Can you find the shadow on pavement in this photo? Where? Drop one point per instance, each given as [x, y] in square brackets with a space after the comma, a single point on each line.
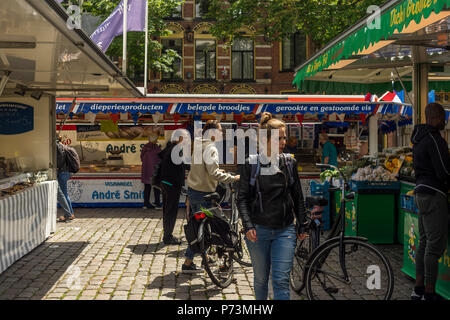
[32, 276]
[154, 249]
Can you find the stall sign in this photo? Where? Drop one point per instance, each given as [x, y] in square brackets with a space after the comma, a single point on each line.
[16, 118]
[114, 107]
[215, 107]
[63, 107]
[105, 190]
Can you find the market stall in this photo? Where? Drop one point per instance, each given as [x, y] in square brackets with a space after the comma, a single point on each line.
[97, 127]
[407, 50]
[41, 58]
[27, 191]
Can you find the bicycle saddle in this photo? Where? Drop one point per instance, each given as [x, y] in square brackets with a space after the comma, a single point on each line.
[212, 197]
[316, 201]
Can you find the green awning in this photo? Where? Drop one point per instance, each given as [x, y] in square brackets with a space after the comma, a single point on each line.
[391, 20]
[351, 88]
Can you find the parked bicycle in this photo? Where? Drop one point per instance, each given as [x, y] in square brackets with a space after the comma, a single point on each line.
[219, 238]
[241, 255]
[343, 267]
[306, 246]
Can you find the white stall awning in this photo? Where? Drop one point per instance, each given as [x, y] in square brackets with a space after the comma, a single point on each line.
[40, 52]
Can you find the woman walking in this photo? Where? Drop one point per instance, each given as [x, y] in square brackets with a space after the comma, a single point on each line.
[269, 199]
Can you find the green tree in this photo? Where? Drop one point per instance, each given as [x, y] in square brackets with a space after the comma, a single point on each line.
[322, 20]
[157, 27]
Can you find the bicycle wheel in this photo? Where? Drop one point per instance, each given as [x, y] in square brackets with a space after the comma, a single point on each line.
[242, 256]
[370, 275]
[302, 252]
[218, 262]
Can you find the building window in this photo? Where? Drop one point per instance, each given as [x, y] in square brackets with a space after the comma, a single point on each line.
[242, 59]
[177, 12]
[177, 66]
[293, 51]
[201, 8]
[205, 59]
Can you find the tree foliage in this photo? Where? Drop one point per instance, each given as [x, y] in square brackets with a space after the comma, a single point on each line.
[322, 20]
[157, 27]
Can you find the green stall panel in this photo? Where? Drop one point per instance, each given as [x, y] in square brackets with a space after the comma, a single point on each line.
[371, 216]
[443, 282]
[351, 219]
[410, 243]
[401, 226]
[405, 187]
[376, 217]
[410, 246]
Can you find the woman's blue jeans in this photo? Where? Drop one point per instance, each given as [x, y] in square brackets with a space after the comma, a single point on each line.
[63, 177]
[274, 249]
[196, 201]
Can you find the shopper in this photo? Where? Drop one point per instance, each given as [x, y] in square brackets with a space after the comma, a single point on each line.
[267, 208]
[431, 161]
[63, 175]
[291, 146]
[150, 159]
[172, 180]
[203, 179]
[329, 152]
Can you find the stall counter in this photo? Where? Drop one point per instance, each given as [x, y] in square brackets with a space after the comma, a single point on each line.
[27, 219]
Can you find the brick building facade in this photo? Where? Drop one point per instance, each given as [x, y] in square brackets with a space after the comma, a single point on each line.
[208, 66]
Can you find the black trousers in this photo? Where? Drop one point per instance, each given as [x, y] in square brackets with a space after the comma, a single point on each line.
[147, 191]
[433, 231]
[171, 199]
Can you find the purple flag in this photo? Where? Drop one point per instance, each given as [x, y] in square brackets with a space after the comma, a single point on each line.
[113, 25]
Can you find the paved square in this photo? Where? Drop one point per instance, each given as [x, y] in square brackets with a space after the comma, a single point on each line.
[118, 254]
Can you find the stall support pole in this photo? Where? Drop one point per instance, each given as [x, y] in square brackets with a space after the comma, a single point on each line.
[373, 134]
[125, 29]
[52, 164]
[420, 83]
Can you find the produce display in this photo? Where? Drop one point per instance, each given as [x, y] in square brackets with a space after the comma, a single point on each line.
[373, 174]
[328, 174]
[407, 170]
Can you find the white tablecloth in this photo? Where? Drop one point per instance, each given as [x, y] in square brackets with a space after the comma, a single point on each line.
[26, 220]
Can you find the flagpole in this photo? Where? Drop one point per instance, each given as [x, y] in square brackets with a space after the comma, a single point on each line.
[146, 50]
[125, 24]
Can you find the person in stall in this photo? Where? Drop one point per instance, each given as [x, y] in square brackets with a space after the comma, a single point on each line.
[291, 145]
[329, 151]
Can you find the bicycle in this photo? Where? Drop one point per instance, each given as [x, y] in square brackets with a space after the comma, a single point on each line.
[304, 247]
[217, 254]
[345, 267]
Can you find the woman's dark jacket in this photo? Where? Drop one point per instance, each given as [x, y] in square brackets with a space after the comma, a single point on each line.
[280, 202]
[171, 172]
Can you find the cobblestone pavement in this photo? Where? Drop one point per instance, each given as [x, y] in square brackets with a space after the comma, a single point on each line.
[118, 254]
